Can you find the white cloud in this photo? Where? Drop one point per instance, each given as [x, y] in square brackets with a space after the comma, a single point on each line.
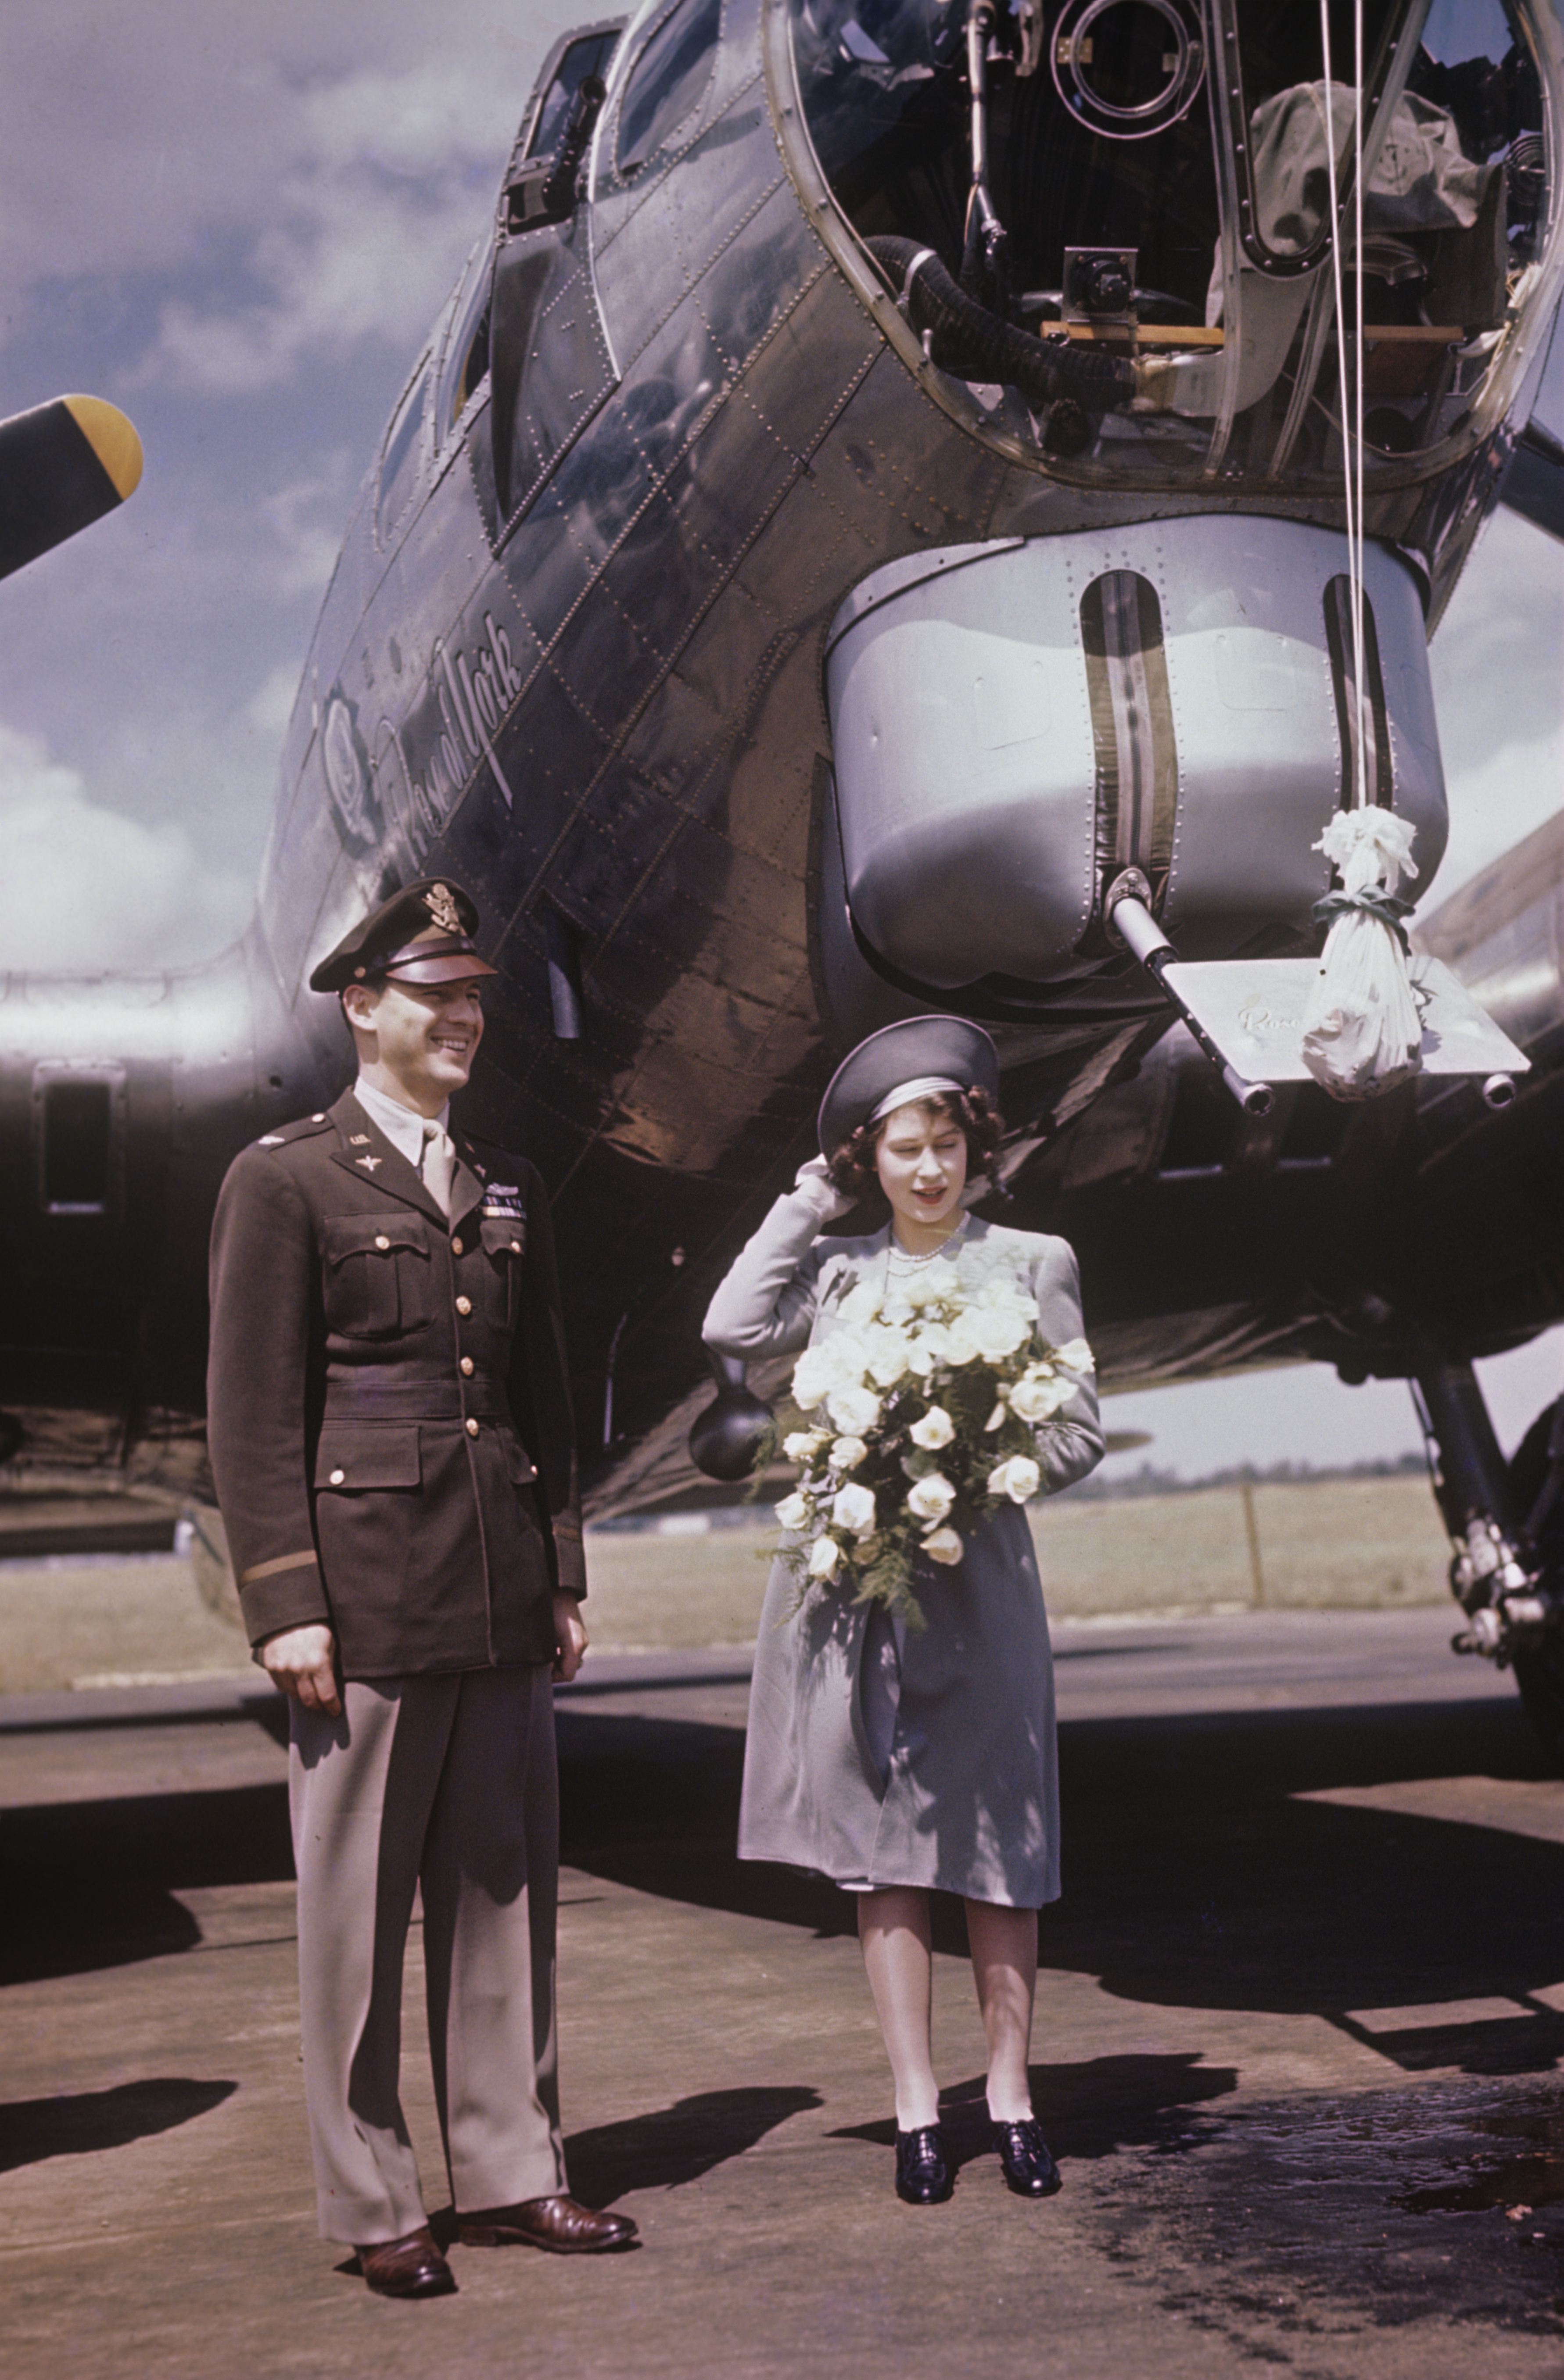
[274, 198]
[86, 888]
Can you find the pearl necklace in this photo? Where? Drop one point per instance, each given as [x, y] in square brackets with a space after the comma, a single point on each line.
[896, 1254]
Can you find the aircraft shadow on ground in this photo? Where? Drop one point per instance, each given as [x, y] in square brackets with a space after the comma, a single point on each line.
[1194, 1877]
[76, 2123]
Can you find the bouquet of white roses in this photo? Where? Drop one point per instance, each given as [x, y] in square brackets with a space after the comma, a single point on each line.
[927, 1399]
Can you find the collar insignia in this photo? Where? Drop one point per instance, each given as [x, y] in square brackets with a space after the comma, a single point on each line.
[369, 1164]
[358, 1140]
[441, 904]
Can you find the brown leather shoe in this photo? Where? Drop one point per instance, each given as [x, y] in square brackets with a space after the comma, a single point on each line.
[412, 2267]
[569, 2229]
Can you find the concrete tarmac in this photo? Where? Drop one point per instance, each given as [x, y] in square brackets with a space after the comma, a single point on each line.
[1299, 2026]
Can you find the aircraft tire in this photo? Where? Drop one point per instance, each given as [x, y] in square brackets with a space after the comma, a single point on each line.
[1539, 1673]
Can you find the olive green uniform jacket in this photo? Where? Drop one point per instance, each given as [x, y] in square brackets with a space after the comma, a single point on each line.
[389, 1406]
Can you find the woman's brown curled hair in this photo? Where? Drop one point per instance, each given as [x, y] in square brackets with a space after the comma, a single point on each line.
[851, 1167]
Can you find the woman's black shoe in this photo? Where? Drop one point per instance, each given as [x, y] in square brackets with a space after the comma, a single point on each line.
[922, 2177]
[1029, 2166]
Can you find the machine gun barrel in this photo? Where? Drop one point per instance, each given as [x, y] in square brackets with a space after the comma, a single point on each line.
[559, 190]
[1129, 916]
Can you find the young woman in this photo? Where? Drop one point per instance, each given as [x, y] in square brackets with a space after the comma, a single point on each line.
[900, 1761]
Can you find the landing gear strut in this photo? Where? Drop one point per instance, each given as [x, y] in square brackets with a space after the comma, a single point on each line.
[1505, 1524]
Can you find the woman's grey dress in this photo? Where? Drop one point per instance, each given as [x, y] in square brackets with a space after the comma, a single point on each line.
[878, 1755]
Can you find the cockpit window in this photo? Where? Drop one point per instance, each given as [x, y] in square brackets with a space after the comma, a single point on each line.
[667, 81]
[1111, 222]
[404, 452]
[590, 55]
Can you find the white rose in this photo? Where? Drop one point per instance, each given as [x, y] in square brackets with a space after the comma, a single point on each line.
[848, 1453]
[813, 1375]
[962, 1340]
[824, 1557]
[793, 1511]
[1034, 1397]
[942, 1545]
[860, 1304]
[1075, 1355]
[800, 1444]
[998, 1330]
[928, 1349]
[1017, 1478]
[853, 1410]
[887, 1356]
[932, 1497]
[935, 1429]
[935, 1285]
[854, 1509]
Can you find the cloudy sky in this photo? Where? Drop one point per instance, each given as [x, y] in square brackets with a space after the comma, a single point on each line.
[235, 221]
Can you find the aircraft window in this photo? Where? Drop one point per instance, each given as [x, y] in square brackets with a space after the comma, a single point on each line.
[1127, 68]
[589, 55]
[1139, 302]
[466, 356]
[77, 1128]
[668, 79]
[404, 447]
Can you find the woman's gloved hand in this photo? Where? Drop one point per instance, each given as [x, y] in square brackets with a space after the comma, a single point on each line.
[815, 1182]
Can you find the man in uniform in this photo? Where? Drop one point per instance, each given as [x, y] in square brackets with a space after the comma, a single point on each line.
[391, 1438]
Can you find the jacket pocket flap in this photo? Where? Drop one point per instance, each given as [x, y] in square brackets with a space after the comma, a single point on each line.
[503, 1236]
[519, 1464]
[384, 1455]
[374, 1235]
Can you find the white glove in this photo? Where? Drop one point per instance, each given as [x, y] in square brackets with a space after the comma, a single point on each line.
[813, 1180]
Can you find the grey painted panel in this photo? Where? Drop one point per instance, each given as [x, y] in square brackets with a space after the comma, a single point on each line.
[966, 765]
[965, 769]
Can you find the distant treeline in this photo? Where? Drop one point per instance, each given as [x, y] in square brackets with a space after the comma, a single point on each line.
[1149, 1480]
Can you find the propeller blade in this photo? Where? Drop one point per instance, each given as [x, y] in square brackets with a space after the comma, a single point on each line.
[62, 465]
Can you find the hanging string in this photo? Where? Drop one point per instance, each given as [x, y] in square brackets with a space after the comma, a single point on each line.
[1362, 1028]
[1352, 407]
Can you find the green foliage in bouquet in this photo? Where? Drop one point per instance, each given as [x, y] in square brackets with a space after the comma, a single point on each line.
[926, 1405]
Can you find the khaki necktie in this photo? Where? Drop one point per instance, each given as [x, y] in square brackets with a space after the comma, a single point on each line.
[438, 1164]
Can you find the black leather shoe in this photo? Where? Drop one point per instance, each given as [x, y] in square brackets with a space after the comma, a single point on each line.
[1029, 2166]
[562, 2224]
[412, 2267]
[922, 2177]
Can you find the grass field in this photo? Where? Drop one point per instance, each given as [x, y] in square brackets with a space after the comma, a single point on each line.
[1343, 1542]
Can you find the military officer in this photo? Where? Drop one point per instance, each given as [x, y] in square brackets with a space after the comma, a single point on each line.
[391, 1439]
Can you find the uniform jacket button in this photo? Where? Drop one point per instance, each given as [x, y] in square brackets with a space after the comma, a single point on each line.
[464, 1305]
[467, 1368]
[337, 1477]
[381, 1241]
[514, 1247]
[456, 1247]
[471, 1429]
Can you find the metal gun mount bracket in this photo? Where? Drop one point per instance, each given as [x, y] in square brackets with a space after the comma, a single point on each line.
[1247, 1015]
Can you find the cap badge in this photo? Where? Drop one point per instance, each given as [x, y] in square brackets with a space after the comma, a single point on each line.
[442, 908]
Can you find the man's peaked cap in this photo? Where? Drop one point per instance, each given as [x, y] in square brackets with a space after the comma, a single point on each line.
[422, 934]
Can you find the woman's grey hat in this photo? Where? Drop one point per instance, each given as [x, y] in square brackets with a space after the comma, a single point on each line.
[947, 1049]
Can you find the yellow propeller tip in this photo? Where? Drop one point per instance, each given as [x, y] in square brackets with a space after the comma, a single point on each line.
[113, 440]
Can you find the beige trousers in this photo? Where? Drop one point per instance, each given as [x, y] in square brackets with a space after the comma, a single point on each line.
[449, 1782]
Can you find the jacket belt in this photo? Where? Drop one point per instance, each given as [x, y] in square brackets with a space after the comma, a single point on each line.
[369, 1395]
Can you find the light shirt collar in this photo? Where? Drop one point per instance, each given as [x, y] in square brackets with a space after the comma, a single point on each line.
[403, 1127]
